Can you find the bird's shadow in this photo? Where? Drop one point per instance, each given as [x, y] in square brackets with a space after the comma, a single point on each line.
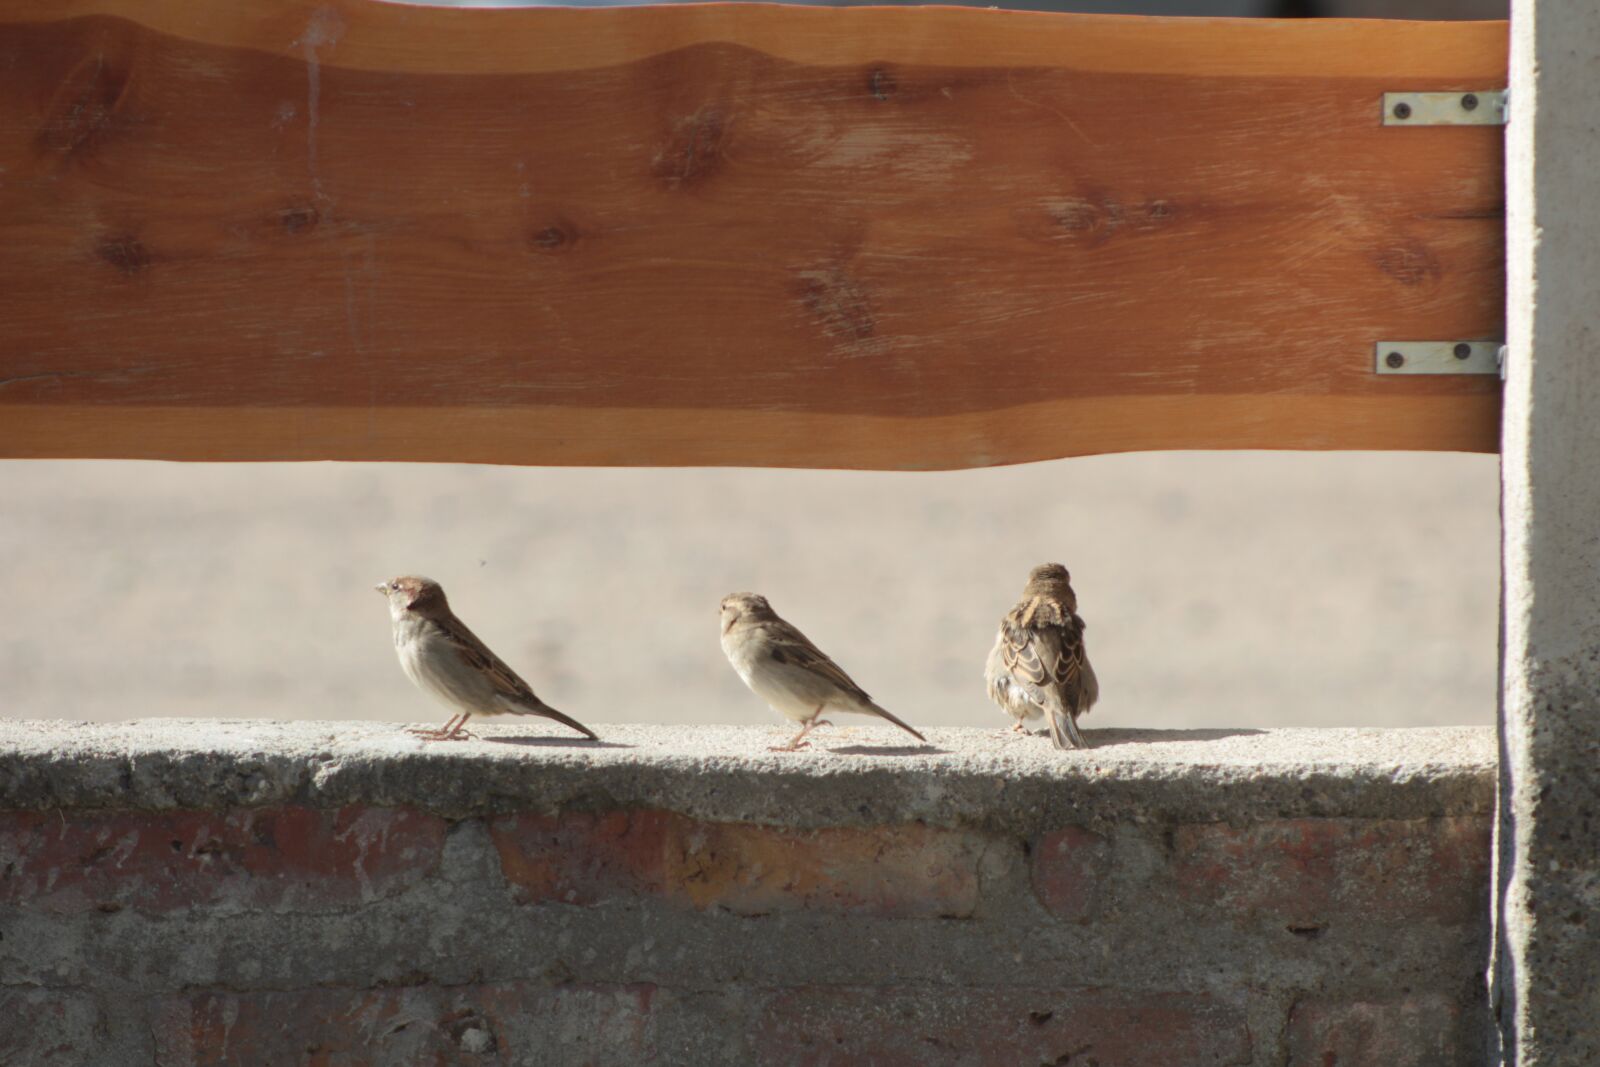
[1112, 738]
[888, 750]
[555, 742]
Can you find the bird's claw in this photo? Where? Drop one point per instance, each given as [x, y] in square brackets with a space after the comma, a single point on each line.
[442, 735]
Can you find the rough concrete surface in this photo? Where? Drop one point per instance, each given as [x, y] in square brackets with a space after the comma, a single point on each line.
[854, 775]
[1548, 846]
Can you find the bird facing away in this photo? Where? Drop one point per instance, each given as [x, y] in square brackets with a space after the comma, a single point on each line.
[1038, 664]
[786, 670]
[446, 660]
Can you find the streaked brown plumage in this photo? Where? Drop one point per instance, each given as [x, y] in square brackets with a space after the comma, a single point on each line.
[447, 661]
[783, 667]
[1038, 664]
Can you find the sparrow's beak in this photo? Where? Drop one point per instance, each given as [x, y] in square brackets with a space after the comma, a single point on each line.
[382, 587]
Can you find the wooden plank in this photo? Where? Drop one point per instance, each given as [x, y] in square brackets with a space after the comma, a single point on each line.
[730, 234]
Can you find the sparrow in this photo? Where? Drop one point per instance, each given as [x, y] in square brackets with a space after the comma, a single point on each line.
[1038, 663]
[786, 670]
[446, 660]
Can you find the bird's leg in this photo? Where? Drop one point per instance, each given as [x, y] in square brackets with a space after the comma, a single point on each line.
[799, 741]
[460, 733]
[433, 733]
[795, 742]
[450, 731]
[1019, 728]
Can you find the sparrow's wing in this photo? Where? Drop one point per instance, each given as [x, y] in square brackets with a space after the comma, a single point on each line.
[1048, 658]
[508, 684]
[476, 654]
[791, 647]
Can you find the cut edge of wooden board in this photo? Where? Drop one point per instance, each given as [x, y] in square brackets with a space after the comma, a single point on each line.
[615, 437]
[382, 35]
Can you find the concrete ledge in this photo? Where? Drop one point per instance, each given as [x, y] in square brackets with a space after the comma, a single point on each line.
[857, 776]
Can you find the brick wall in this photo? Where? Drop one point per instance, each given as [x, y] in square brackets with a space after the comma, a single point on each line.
[573, 921]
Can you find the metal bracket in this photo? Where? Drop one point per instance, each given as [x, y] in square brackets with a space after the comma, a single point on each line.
[1482, 107]
[1438, 357]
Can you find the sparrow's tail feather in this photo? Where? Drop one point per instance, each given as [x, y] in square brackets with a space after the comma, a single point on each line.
[565, 720]
[1064, 729]
[879, 711]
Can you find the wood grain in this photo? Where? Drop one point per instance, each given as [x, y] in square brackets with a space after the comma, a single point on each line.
[730, 234]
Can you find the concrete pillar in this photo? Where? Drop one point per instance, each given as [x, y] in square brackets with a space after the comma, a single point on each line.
[1546, 973]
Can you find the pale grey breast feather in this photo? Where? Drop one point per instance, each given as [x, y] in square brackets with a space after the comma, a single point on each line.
[740, 649]
[425, 656]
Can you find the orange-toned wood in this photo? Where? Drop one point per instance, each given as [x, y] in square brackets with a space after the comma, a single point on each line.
[730, 234]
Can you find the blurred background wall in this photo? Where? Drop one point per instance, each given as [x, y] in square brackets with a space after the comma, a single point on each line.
[1220, 588]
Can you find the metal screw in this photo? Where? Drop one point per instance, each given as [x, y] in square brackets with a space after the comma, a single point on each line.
[1402, 111]
[1469, 102]
[1395, 360]
[1462, 350]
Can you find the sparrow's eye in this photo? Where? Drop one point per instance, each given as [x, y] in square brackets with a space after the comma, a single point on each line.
[395, 586]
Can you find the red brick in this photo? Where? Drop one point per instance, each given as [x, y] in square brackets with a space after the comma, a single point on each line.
[835, 1027]
[896, 871]
[583, 858]
[419, 1025]
[905, 870]
[297, 858]
[1068, 866]
[1309, 871]
[1416, 1031]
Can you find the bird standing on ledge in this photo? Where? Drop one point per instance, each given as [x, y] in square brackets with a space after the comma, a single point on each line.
[786, 670]
[446, 660]
[1038, 663]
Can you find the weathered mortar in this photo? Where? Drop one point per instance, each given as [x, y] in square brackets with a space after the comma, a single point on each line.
[180, 892]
